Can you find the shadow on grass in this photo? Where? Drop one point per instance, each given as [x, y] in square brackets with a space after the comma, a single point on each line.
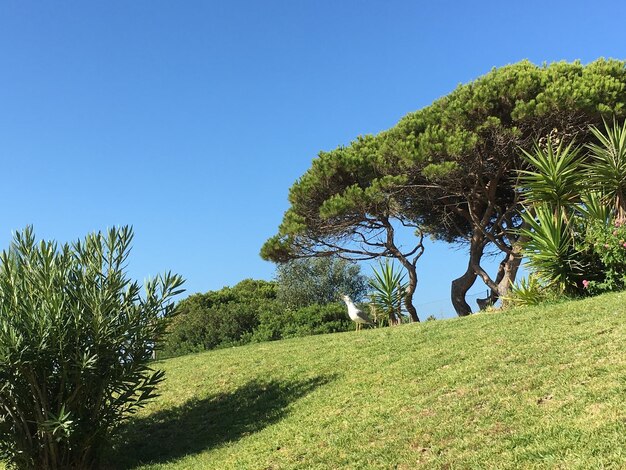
[199, 425]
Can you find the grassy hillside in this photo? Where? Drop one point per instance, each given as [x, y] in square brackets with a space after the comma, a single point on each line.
[528, 388]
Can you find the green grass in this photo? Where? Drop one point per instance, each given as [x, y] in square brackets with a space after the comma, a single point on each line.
[528, 388]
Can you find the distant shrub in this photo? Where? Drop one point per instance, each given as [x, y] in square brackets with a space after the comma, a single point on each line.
[221, 318]
[302, 301]
[311, 281]
[312, 320]
[247, 312]
[202, 329]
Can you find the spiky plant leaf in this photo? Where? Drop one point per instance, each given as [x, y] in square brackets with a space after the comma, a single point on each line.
[388, 287]
[550, 248]
[556, 175]
[607, 166]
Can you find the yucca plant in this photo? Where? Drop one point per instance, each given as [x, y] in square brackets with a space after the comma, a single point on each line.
[575, 210]
[552, 188]
[527, 291]
[593, 207]
[607, 165]
[76, 339]
[550, 248]
[388, 287]
[555, 177]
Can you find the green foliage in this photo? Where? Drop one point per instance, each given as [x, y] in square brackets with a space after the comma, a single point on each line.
[572, 239]
[592, 207]
[552, 189]
[302, 301]
[342, 184]
[439, 171]
[550, 248]
[311, 320]
[555, 179]
[388, 287]
[309, 281]
[608, 244]
[76, 338]
[221, 318]
[526, 292]
[607, 165]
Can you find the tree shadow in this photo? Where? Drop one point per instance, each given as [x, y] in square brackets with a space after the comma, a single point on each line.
[199, 425]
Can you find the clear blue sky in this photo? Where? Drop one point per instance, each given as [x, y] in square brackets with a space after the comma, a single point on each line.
[191, 120]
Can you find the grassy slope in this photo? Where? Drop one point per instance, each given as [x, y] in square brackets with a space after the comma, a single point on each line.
[521, 389]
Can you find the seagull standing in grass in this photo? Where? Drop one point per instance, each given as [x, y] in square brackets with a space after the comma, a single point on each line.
[356, 315]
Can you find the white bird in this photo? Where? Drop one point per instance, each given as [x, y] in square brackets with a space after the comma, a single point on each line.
[356, 315]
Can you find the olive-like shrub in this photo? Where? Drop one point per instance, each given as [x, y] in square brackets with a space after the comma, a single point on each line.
[76, 339]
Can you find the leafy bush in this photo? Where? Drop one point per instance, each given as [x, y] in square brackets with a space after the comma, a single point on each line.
[551, 249]
[608, 244]
[527, 291]
[227, 318]
[202, 329]
[302, 301]
[76, 338]
[310, 281]
[576, 214]
[312, 320]
[220, 318]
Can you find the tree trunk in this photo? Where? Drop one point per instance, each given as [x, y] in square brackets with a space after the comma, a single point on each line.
[507, 272]
[511, 267]
[463, 284]
[410, 290]
[459, 288]
[512, 263]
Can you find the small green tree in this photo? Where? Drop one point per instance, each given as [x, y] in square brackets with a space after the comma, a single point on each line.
[551, 248]
[388, 288]
[554, 177]
[309, 281]
[349, 205]
[76, 338]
